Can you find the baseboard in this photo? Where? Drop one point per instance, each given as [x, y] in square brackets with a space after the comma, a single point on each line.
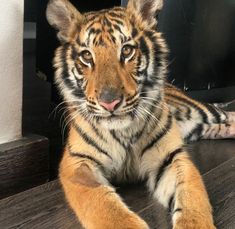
[24, 164]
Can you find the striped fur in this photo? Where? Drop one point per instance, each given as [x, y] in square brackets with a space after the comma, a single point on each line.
[199, 120]
[141, 139]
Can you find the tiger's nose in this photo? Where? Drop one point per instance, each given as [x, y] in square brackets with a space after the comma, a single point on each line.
[110, 106]
[110, 99]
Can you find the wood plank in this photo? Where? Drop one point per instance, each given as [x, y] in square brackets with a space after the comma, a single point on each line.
[208, 154]
[23, 164]
[220, 183]
[44, 206]
[40, 207]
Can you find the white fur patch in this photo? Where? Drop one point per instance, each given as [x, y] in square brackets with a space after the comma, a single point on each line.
[187, 126]
[116, 123]
[166, 187]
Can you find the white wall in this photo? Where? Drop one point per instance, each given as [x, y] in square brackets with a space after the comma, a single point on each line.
[11, 57]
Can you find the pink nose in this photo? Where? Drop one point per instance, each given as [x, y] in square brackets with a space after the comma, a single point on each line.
[110, 106]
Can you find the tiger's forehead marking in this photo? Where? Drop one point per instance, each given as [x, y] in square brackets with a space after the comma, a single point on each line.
[105, 28]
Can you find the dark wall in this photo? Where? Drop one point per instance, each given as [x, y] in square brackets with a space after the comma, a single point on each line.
[30, 10]
[200, 35]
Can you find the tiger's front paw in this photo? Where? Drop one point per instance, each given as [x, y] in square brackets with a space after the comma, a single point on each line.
[134, 222]
[193, 222]
[122, 221]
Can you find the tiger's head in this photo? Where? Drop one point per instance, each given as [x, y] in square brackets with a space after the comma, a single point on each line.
[111, 64]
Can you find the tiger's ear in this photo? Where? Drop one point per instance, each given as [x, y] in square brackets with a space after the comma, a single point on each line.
[146, 9]
[63, 16]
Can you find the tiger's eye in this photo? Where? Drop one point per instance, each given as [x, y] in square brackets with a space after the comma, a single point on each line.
[127, 51]
[86, 56]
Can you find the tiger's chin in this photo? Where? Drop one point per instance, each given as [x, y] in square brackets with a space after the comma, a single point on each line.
[116, 123]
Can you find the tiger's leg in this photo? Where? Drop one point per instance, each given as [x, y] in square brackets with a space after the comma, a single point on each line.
[178, 186]
[230, 116]
[225, 129]
[95, 202]
[218, 131]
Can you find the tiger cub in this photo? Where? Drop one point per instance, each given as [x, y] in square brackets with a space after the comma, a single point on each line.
[125, 122]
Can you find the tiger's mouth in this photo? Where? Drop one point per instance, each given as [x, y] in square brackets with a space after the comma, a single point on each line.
[114, 121]
[114, 115]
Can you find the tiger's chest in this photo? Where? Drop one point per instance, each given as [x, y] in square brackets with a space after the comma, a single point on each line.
[126, 159]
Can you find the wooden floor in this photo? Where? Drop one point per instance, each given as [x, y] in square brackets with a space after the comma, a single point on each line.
[44, 207]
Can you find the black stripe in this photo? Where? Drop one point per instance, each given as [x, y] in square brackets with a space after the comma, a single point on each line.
[120, 31]
[178, 115]
[90, 141]
[171, 206]
[76, 90]
[92, 107]
[227, 124]
[177, 103]
[113, 38]
[118, 9]
[112, 132]
[188, 113]
[88, 157]
[168, 160]
[138, 67]
[92, 102]
[96, 130]
[213, 111]
[119, 22]
[137, 135]
[134, 32]
[184, 100]
[110, 31]
[197, 132]
[74, 54]
[159, 135]
[145, 50]
[80, 43]
[216, 134]
[131, 103]
[131, 97]
[116, 15]
[171, 203]
[93, 21]
[65, 74]
[94, 31]
[79, 69]
[177, 210]
[91, 16]
[159, 55]
[101, 42]
[91, 32]
[107, 22]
